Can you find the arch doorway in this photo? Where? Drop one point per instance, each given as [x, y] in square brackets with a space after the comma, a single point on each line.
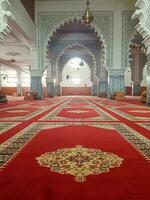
[75, 39]
[76, 78]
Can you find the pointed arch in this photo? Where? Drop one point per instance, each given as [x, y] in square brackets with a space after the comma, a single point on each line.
[72, 20]
[142, 13]
[137, 42]
[93, 67]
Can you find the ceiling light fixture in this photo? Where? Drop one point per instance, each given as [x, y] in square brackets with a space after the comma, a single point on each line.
[81, 63]
[87, 17]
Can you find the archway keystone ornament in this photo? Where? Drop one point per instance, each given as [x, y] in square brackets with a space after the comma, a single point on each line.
[79, 162]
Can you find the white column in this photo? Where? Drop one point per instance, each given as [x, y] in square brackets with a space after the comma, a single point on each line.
[36, 73]
[19, 83]
[148, 77]
[50, 81]
[147, 43]
[58, 90]
[0, 78]
[36, 82]
[117, 37]
[34, 58]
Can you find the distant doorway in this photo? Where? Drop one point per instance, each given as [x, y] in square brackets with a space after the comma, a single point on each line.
[76, 78]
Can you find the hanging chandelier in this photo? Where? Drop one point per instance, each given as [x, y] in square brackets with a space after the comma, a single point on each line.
[87, 17]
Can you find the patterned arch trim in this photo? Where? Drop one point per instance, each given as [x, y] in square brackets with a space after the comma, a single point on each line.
[137, 40]
[69, 20]
[92, 28]
[81, 47]
[92, 76]
[4, 13]
[68, 48]
[102, 25]
[143, 14]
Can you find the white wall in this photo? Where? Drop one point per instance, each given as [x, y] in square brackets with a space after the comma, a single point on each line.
[9, 78]
[25, 80]
[74, 70]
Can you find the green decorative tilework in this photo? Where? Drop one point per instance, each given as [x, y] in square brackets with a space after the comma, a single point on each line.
[49, 21]
[128, 29]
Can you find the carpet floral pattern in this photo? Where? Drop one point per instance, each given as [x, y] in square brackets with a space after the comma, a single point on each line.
[79, 162]
[89, 144]
[133, 113]
[4, 126]
[74, 113]
[13, 145]
[20, 113]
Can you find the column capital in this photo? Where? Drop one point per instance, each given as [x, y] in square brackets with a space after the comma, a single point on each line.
[116, 72]
[36, 72]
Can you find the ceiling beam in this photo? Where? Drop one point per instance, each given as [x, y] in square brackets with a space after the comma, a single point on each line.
[12, 66]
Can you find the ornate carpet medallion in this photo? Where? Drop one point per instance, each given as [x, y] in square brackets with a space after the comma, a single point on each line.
[79, 162]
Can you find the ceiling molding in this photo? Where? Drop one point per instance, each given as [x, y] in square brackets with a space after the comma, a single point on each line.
[8, 63]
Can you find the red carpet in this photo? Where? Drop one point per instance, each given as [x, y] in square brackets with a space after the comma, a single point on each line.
[78, 112]
[122, 117]
[22, 177]
[143, 112]
[133, 100]
[77, 104]
[15, 112]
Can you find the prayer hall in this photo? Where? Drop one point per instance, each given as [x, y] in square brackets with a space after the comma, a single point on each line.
[74, 99]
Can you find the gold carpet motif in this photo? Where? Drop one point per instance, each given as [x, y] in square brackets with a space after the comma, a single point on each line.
[79, 162]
